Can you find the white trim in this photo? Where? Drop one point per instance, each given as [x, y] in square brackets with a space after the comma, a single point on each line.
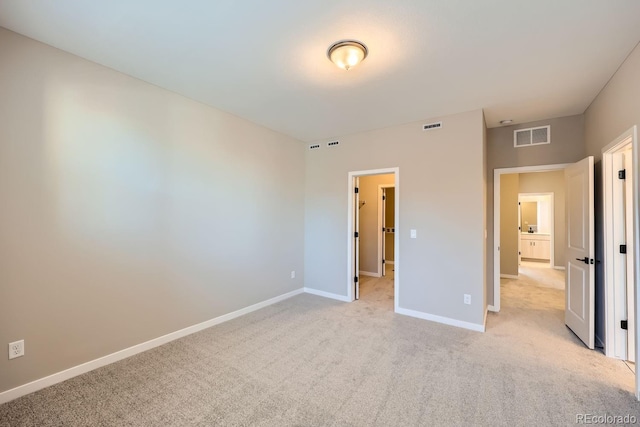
[396, 242]
[327, 295]
[636, 245]
[559, 267]
[615, 344]
[58, 377]
[496, 219]
[441, 319]
[492, 308]
[509, 276]
[369, 273]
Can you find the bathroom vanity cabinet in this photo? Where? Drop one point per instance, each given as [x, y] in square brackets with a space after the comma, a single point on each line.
[535, 246]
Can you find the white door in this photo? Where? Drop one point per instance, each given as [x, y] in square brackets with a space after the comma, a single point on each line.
[579, 295]
[356, 237]
[628, 224]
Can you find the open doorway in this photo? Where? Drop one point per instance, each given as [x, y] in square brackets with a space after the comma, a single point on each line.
[531, 275]
[537, 236]
[373, 238]
[574, 305]
[537, 228]
[529, 230]
[386, 228]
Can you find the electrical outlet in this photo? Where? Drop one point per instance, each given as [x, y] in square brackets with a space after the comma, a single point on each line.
[467, 299]
[293, 274]
[16, 349]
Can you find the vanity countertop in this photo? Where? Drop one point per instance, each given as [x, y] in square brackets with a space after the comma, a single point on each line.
[524, 233]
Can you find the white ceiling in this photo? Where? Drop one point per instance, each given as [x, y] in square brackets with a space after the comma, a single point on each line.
[266, 60]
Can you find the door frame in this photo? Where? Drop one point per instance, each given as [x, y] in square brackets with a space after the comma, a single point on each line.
[381, 247]
[613, 346]
[552, 225]
[350, 225]
[496, 220]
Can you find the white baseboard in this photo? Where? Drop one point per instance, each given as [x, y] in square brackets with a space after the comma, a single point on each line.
[441, 319]
[388, 262]
[508, 276]
[368, 273]
[58, 377]
[492, 308]
[327, 294]
[559, 267]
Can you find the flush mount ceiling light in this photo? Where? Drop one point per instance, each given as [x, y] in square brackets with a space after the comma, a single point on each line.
[346, 54]
[506, 122]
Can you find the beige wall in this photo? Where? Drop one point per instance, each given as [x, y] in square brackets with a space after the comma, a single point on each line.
[550, 182]
[567, 146]
[446, 260]
[129, 212]
[616, 108]
[369, 221]
[509, 234]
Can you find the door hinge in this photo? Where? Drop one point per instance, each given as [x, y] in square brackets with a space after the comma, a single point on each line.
[355, 234]
[622, 174]
[384, 198]
[356, 190]
[383, 261]
[623, 249]
[623, 324]
[355, 279]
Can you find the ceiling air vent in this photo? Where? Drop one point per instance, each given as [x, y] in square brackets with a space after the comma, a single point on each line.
[532, 136]
[314, 147]
[432, 126]
[333, 143]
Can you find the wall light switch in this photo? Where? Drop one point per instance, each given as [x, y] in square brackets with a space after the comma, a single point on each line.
[414, 234]
[293, 274]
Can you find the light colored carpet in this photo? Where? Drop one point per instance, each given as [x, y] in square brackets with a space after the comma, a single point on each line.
[540, 274]
[311, 361]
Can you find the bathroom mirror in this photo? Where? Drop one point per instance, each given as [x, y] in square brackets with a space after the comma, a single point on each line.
[536, 211]
[529, 216]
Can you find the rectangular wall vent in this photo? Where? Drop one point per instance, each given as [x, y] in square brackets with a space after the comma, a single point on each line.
[333, 143]
[432, 126]
[532, 136]
[314, 147]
